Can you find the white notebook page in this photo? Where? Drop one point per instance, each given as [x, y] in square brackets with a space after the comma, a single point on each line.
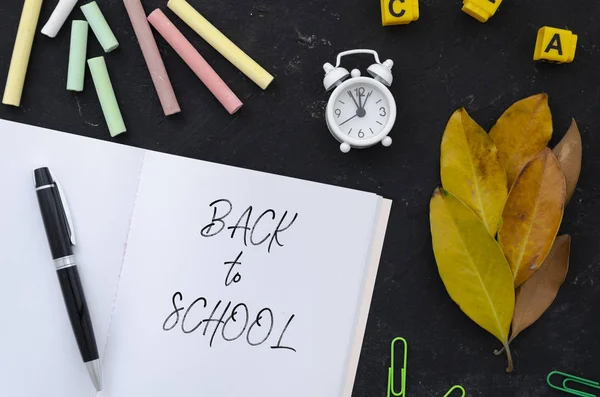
[311, 279]
[38, 352]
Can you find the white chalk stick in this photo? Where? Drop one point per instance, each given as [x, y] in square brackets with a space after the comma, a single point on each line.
[58, 17]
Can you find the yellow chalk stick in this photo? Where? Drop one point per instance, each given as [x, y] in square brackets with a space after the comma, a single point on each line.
[21, 52]
[221, 43]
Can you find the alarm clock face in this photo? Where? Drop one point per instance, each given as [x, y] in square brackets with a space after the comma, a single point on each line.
[361, 111]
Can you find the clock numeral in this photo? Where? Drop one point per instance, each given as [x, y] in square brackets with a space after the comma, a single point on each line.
[338, 112]
[378, 101]
[371, 129]
[378, 122]
[350, 131]
[361, 134]
[382, 112]
[359, 91]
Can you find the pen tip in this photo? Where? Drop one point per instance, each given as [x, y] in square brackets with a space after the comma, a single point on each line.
[94, 370]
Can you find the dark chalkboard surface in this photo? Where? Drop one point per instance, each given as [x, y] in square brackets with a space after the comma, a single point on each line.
[443, 61]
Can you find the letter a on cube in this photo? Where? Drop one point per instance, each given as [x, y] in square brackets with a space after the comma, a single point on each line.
[555, 45]
[399, 12]
[482, 10]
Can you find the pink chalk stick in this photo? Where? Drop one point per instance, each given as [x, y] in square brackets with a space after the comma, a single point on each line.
[194, 60]
[155, 64]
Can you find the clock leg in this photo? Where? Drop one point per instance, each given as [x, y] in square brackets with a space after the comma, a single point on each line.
[387, 141]
[344, 147]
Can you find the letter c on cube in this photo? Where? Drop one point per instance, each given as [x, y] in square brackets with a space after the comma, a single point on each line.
[399, 12]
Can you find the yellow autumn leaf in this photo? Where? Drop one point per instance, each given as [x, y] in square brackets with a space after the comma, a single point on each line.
[521, 133]
[532, 215]
[471, 169]
[472, 266]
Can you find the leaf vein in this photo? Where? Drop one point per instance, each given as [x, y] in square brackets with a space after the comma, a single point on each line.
[483, 287]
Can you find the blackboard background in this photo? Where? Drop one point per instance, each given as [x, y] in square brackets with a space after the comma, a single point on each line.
[443, 61]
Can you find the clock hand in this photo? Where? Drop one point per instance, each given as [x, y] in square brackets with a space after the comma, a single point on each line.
[348, 120]
[360, 95]
[352, 96]
[366, 99]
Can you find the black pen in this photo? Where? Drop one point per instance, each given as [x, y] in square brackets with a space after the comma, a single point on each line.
[61, 237]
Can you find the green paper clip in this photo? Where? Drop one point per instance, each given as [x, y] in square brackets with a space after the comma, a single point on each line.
[391, 371]
[574, 379]
[457, 387]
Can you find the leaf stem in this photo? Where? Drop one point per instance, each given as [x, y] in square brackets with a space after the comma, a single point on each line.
[510, 367]
[499, 352]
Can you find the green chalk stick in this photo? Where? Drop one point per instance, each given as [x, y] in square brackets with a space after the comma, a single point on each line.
[77, 52]
[106, 95]
[99, 26]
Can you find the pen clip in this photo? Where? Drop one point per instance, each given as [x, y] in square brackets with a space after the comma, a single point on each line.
[65, 208]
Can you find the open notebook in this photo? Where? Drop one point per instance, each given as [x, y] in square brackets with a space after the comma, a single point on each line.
[201, 279]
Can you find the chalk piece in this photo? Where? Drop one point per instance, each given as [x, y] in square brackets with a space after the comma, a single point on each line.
[194, 60]
[77, 53]
[399, 12]
[58, 17]
[99, 26]
[21, 52]
[221, 43]
[106, 95]
[482, 10]
[555, 45]
[154, 62]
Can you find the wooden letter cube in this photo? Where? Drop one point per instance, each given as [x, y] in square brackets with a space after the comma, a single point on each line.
[482, 10]
[555, 45]
[399, 12]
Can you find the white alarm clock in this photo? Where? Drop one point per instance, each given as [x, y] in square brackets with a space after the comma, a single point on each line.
[361, 111]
